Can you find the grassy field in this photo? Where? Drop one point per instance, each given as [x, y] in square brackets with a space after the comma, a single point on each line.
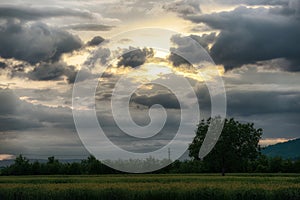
[179, 186]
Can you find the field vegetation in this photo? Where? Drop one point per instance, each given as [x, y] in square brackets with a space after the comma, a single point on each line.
[150, 186]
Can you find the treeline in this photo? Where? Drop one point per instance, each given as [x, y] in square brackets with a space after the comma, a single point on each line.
[263, 164]
[22, 166]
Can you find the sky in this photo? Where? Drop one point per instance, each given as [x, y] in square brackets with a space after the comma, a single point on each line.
[254, 46]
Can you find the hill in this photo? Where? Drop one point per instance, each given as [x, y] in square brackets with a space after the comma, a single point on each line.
[289, 149]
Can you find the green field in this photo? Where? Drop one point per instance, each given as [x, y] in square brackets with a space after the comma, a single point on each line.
[149, 186]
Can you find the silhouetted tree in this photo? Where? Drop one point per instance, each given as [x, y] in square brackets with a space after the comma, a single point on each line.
[36, 168]
[92, 165]
[237, 146]
[53, 166]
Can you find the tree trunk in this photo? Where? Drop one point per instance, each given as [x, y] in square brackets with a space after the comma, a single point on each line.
[223, 166]
[223, 171]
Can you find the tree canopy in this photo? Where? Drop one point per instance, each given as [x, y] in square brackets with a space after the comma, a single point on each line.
[236, 147]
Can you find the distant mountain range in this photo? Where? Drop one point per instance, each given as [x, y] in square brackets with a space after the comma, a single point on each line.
[289, 149]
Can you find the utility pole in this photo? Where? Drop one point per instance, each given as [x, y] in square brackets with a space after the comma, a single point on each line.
[169, 154]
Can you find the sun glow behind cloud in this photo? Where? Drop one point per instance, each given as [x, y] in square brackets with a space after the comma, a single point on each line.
[270, 141]
[154, 70]
[6, 156]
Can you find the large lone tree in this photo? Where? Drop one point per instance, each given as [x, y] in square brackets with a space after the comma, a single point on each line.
[236, 147]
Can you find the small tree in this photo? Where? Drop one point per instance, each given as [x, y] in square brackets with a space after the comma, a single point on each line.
[21, 166]
[92, 165]
[236, 147]
[53, 166]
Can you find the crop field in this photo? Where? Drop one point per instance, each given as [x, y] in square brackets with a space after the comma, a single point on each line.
[152, 186]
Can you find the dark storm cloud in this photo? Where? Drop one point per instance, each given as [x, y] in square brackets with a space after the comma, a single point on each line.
[15, 123]
[29, 13]
[276, 126]
[71, 75]
[19, 115]
[205, 39]
[35, 42]
[177, 60]
[292, 9]
[186, 45]
[41, 143]
[252, 35]
[47, 71]
[89, 27]
[165, 99]
[243, 103]
[8, 108]
[135, 58]
[246, 98]
[35, 129]
[54, 71]
[95, 41]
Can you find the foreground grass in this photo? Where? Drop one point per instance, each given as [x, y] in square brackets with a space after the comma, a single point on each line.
[194, 186]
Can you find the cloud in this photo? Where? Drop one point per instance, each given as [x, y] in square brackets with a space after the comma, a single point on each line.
[205, 40]
[35, 42]
[85, 74]
[167, 100]
[265, 96]
[6, 157]
[17, 123]
[3, 65]
[253, 90]
[177, 60]
[133, 10]
[270, 141]
[187, 46]
[30, 13]
[251, 2]
[265, 102]
[8, 102]
[51, 129]
[41, 143]
[183, 7]
[251, 35]
[275, 126]
[47, 72]
[102, 54]
[18, 114]
[95, 41]
[36, 129]
[294, 5]
[54, 71]
[8, 108]
[135, 57]
[88, 27]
